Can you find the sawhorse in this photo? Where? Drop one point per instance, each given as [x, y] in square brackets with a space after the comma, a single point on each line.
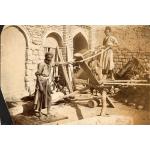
[95, 83]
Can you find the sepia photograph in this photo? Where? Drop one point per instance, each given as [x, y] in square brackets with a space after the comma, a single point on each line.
[76, 74]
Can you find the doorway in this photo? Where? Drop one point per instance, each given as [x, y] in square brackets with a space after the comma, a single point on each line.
[13, 49]
[80, 45]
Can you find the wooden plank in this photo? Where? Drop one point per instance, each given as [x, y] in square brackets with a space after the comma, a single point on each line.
[104, 104]
[109, 101]
[90, 98]
[100, 66]
[71, 95]
[127, 84]
[69, 66]
[86, 68]
[69, 85]
[110, 82]
[56, 67]
[125, 81]
[52, 70]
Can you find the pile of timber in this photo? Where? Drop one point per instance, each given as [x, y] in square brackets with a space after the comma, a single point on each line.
[132, 70]
[137, 96]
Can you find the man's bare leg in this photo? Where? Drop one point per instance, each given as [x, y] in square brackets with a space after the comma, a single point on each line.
[112, 74]
[112, 77]
[48, 106]
[104, 76]
[104, 103]
[40, 112]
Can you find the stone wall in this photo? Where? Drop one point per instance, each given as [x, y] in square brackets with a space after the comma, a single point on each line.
[134, 41]
[35, 51]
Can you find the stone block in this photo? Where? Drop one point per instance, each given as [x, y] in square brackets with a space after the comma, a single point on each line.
[29, 52]
[30, 57]
[29, 61]
[34, 47]
[35, 52]
[34, 61]
[41, 53]
[28, 78]
[28, 72]
[30, 66]
[121, 56]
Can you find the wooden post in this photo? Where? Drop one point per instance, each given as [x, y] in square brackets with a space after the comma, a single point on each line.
[69, 85]
[56, 60]
[109, 101]
[52, 70]
[104, 103]
[101, 66]
[148, 96]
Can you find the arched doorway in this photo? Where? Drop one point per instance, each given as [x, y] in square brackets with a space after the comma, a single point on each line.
[13, 49]
[80, 45]
[52, 41]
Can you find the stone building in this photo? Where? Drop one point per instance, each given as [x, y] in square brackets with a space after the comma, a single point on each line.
[23, 47]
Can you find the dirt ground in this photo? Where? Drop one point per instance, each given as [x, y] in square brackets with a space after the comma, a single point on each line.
[81, 112]
[75, 112]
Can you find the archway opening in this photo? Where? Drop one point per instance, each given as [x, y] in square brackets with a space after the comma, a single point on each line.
[52, 41]
[13, 49]
[80, 44]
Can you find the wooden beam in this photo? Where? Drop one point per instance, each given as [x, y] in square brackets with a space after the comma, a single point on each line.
[86, 68]
[69, 85]
[127, 84]
[125, 81]
[72, 94]
[109, 101]
[104, 104]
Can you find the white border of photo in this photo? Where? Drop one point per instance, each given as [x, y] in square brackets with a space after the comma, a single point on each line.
[70, 12]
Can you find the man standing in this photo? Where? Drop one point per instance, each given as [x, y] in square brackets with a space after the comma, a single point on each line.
[107, 60]
[43, 88]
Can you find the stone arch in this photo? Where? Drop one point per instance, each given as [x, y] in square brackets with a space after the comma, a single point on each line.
[80, 30]
[56, 34]
[80, 43]
[14, 44]
[24, 32]
[52, 38]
